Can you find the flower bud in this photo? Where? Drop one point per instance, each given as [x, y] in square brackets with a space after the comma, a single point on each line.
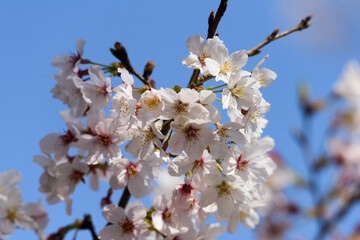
[149, 67]
[177, 88]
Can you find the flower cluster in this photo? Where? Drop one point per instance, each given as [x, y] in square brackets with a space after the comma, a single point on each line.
[13, 213]
[344, 147]
[224, 165]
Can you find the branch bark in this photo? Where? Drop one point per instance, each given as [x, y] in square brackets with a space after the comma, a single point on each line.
[85, 224]
[305, 23]
[120, 53]
[213, 22]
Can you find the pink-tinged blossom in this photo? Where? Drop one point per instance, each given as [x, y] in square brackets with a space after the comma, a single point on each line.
[210, 232]
[123, 101]
[106, 135]
[166, 218]
[183, 195]
[136, 176]
[226, 193]
[68, 64]
[224, 133]
[9, 180]
[68, 176]
[253, 119]
[202, 53]
[38, 213]
[98, 93]
[242, 213]
[252, 165]
[183, 104]
[207, 97]
[200, 168]
[98, 173]
[68, 91]
[144, 140]
[12, 213]
[348, 86]
[124, 226]
[59, 144]
[344, 152]
[263, 75]
[191, 137]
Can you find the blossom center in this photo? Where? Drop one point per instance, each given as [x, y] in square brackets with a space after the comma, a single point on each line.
[255, 116]
[186, 189]
[132, 170]
[204, 54]
[227, 67]
[180, 107]
[77, 176]
[166, 215]
[101, 91]
[199, 163]
[223, 189]
[127, 226]
[192, 134]
[241, 163]
[104, 140]
[152, 103]
[67, 138]
[240, 91]
[11, 215]
[242, 216]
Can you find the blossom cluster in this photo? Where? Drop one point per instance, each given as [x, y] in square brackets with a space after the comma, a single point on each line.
[344, 146]
[224, 165]
[14, 213]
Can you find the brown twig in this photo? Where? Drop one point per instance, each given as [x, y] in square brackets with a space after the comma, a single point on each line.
[203, 78]
[213, 22]
[120, 53]
[85, 224]
[331, 223]
[305, 23]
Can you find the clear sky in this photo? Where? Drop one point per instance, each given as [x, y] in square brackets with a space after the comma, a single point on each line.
[33, 32]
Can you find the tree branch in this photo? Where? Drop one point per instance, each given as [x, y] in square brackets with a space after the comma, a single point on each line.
[85, 224]
[213, 22]
[125, 197]
[120, 53]
[305, 23]
[331, 223]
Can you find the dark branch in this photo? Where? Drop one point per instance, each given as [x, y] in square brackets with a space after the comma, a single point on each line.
[305, 23]
[120, 53]
[214, 21]
[328, 225]
[85, 224]
[124, 198]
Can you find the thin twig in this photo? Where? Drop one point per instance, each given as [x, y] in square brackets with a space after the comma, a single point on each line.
[331, 223]
[305, 23]
[213, 22]
[85, 224]
[120, 53]
[204, 78]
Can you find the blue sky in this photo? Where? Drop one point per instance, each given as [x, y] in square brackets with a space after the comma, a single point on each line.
[33, 32]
